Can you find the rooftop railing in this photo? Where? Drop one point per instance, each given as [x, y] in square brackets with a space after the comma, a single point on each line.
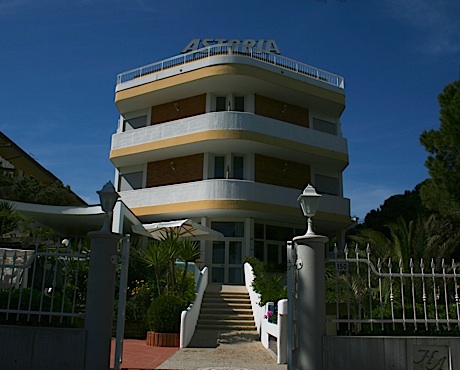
[218, 50]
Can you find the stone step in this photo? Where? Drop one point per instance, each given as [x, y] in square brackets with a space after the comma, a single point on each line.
[225, 304]
[226, 321]
[226, 316]
[224, 299]
[221, 327]
[228, 311]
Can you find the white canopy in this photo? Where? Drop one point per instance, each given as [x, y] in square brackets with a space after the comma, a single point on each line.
[183, 228]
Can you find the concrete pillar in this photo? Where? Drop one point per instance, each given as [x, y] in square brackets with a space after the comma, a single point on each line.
[311, 309]
[100, 298]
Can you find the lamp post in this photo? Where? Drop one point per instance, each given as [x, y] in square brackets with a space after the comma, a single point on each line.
[309, 203]
[101, 285]
[108, 198]
[310, 305]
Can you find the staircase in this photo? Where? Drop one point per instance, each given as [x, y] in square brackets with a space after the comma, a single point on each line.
[226, 308]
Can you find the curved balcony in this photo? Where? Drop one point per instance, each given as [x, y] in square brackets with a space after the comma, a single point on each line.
[241, 132]
[230, 198]
[220, 54]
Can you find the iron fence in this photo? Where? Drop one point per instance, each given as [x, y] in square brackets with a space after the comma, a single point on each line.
[43, 286]
[373, 296]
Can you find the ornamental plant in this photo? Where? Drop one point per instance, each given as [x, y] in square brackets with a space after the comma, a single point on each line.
[164, 314]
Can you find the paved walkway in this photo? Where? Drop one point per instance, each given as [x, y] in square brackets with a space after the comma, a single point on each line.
[233, 350]
[137, 355]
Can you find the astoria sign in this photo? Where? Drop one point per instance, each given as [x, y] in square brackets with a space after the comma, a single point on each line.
[261, 45]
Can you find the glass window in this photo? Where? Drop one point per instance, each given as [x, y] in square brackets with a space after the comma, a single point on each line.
[259, 250]
[239, 103]
[324, 126]
[229, 229]
[279, 233]
[327, 184]
[235, 253]
[272, 253]
[238, 167]
[218, 274]
[219, 167]
[221, 103]
[218, 252]
[259, 231]
[134, 123]
[235, 275]
[131, 181]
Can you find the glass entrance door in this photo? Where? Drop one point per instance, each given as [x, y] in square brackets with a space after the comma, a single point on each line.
[227, 260]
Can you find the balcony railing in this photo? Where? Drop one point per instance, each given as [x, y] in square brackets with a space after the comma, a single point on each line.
[219, 50]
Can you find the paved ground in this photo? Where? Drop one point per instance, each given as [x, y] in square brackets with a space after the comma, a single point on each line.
[228, 351]
[137, 355]
[234, 350]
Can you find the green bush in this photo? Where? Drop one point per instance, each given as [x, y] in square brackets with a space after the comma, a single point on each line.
[268, 284]
[20, 299]
[411, 329]
[164, 314]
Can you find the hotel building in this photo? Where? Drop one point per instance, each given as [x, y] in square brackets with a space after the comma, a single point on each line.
[228, 134]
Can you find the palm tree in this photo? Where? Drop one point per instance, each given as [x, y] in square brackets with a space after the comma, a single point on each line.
[162, 254]
[189, 251]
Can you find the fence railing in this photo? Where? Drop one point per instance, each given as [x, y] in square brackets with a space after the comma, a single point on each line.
[218, 50]
[45, 285]
[374, 296]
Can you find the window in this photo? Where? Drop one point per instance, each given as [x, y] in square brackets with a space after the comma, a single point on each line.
[229, 229]
[131, 181]
[219, 167]
[327, 185]
[324, 126]
[270, 243]
[239, 103]
[238, 167]
[221, 103]
[134, 123]
[228, 167]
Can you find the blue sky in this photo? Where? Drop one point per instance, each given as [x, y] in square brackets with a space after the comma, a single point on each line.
[59, 61]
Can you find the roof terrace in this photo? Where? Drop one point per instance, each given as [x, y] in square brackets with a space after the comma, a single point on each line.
[226, 50]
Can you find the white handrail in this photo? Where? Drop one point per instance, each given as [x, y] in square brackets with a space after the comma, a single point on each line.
[189, 317]
[218, 50]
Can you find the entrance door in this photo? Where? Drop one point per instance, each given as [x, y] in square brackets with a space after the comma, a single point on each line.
[227, 260]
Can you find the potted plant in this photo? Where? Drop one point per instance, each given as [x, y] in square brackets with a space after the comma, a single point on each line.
[163, 319]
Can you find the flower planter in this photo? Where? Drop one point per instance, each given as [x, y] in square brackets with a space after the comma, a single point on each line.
[162, 339]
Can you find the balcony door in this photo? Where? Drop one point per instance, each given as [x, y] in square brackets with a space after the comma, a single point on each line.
[227, 262]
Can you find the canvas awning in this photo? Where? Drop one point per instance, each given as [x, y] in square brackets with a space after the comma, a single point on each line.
[183, 228]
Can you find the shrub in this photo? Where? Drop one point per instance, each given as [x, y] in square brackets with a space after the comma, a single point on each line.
[164, 314]
[21, 298]
[268, 284]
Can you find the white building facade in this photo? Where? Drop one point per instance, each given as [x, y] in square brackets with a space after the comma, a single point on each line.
[229, 135]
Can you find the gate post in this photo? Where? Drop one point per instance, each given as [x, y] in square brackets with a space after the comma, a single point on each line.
[100, 299]
[311, 301]
[101, 285]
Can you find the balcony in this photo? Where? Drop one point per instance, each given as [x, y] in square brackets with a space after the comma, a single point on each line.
[220, 54]
[240, 132]
[231, 198]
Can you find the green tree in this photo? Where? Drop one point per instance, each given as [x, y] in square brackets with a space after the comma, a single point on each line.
[161, 256]
[441, 193]
[29, 190]
[425, 237]
[9, 218]
[407, 206]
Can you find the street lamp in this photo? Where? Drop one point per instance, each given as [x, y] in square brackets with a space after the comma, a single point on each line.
[108, 197]
[309, 203]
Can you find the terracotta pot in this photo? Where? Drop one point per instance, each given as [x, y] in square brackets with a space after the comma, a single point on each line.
[162, 339]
